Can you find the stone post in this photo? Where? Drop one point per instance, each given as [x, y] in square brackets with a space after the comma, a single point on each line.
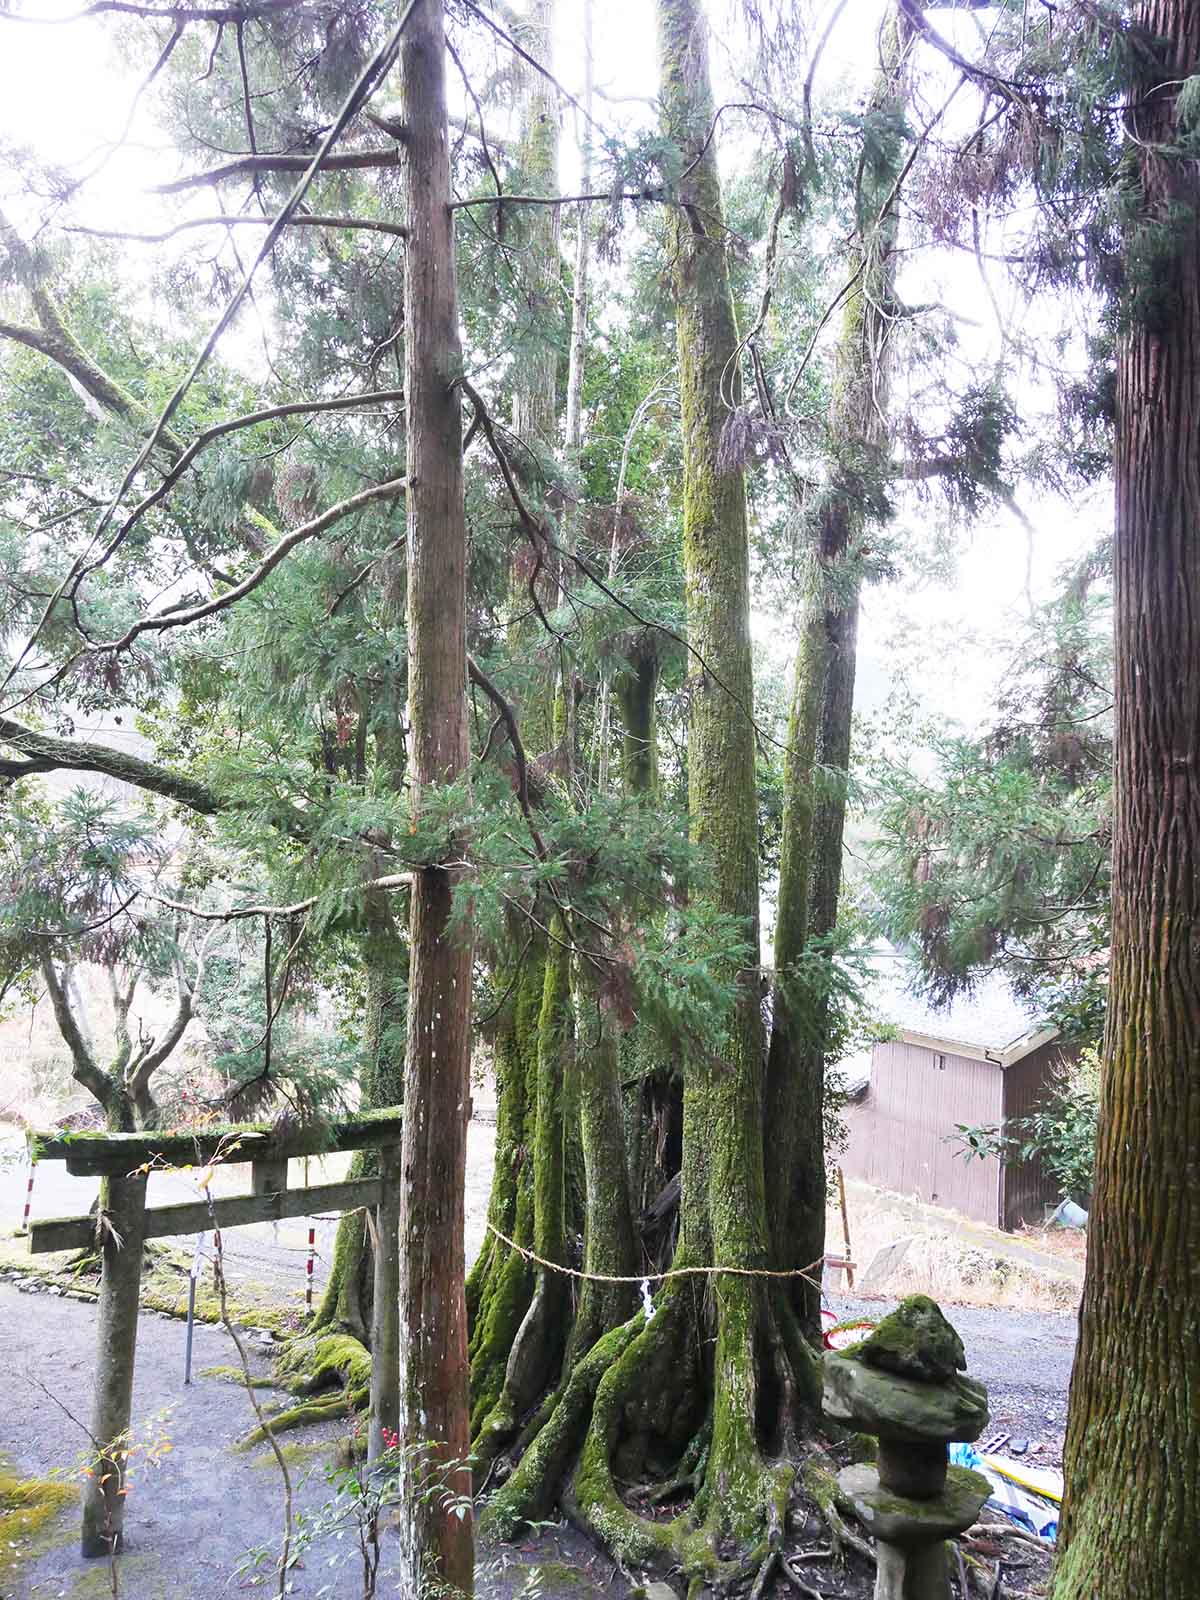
[904, 1385]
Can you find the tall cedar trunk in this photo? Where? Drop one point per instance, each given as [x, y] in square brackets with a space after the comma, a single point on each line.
[1130, 1527]
[723, 1211]
[519, 1314]
[814, 815]
[437, 1544]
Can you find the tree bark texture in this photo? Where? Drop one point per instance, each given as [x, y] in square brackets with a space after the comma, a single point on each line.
[436, 1542]
[817, 760]
[121, 1220]
[1132, 1463]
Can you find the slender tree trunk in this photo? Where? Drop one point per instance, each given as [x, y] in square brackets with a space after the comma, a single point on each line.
[519, 1317]
[347, 1301]
[819, 724]
[436, 1535]
[1130, 1527]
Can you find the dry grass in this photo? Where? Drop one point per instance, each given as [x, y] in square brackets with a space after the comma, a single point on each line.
[940, 1263]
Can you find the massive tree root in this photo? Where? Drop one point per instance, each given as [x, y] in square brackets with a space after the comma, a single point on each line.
[659, 1409]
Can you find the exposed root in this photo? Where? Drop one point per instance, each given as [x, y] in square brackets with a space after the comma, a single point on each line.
[822, 1487]
[317, 1361]
[765, 1573]
[530, 1492]
[321, 1410]
[630, 1411]
[797, 1582]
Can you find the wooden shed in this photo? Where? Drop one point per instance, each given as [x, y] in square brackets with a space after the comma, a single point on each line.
[981, 1061]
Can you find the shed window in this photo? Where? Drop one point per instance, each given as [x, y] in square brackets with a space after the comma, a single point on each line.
[939, 1062]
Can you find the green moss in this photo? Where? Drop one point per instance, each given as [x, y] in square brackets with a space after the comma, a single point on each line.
[915, 1341]
[317, 1361]
[29, 1510]
[164, 1286]
[236, 1376]
[138, 1575]
[821, 1483]
[295, 1453]
[556, 1576]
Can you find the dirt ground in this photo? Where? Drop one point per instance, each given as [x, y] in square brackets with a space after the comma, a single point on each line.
[194, 1518]
[197, 1515]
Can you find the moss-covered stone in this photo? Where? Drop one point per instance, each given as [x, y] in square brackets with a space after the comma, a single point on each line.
[915, 1341]
[902, 1521]
[905, 1409]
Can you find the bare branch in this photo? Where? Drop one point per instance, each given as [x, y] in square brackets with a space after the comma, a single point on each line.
[309, 530]
[45, 753]
[302, 220]
[250, 166]
[84, 1068]
[53, 339]
[508, 717]
[394, 880]
[249, 12]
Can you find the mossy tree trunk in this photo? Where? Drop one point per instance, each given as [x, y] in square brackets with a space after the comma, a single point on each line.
[519, 1319]
[437, 1543]
[818, 741]
[346, 1304]
[1132, 1465]
[712, 1385]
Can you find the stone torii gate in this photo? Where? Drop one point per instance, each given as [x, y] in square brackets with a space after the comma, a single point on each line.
[122, 1162]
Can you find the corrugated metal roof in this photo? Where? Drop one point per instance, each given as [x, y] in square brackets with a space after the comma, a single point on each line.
[989, 1017]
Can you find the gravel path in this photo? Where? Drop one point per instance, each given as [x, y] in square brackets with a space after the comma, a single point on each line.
[1023, 1357]
[193, 1519]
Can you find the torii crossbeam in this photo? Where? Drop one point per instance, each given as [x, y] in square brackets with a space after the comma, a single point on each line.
[123, 1161]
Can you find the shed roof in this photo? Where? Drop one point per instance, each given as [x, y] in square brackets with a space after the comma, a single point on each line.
[988, 1022]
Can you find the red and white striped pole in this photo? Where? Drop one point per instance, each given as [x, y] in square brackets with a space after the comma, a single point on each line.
[308, 1273]
[29, 1195]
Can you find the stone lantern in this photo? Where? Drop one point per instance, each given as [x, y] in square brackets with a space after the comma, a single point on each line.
[904, 1384]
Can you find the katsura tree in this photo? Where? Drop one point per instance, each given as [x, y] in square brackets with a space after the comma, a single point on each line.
[686, 1391]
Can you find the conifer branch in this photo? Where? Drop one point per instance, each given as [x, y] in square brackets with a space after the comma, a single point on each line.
[302, 220]
[181, 618]
[254, 165]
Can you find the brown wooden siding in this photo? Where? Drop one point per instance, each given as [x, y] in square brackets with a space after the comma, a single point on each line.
[898, 1132]
[1028, 1188]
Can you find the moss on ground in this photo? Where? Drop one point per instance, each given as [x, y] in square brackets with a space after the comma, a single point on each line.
[164, 1286]
[30, 1512]
[137, 1575]
[236, 1376]
[296, 1454]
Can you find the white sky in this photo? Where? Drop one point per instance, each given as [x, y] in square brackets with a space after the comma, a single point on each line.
[65, 95]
